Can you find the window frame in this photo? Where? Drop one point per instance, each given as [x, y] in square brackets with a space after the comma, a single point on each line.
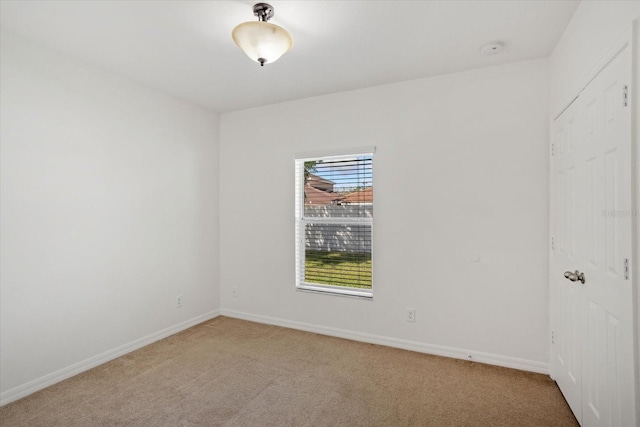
[301, 221]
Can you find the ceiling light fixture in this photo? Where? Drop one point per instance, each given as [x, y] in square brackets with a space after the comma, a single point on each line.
[261, 41]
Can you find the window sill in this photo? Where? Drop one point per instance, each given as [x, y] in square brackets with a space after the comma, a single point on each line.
[336, 290]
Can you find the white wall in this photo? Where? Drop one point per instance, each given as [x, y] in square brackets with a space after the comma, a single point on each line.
[595, 26]
[461, 168]
[108, 211]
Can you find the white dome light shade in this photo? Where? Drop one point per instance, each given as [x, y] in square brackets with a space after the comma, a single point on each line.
[261, 41]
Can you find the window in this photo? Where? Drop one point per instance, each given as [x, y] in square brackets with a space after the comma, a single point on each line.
[334, 222]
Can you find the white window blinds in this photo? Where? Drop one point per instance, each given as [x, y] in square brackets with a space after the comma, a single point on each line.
[334, 223]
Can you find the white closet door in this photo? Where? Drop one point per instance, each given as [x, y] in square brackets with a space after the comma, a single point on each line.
[592, 322]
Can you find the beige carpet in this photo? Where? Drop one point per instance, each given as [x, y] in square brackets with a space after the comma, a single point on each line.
[231, 372]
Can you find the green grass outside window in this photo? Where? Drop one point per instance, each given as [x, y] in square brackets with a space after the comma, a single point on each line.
[348, 269]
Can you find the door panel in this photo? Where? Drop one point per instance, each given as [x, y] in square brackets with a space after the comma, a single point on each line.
[592, 214]
[610, 187]
[593, 369]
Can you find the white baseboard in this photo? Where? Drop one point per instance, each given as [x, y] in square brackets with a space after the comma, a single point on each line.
[64, 373]
[456, 353]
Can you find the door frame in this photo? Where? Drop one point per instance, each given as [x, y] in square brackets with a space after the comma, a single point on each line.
[635, 188]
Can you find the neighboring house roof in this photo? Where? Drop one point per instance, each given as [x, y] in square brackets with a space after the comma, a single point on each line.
[362, 196]
[315, 197]
[315, 180]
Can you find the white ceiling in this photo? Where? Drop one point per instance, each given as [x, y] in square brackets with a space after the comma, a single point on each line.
[184, 47]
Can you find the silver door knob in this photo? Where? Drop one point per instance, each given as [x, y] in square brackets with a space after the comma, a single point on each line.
[574, 277]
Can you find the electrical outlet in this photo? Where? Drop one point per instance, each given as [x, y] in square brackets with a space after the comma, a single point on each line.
[411, 315]
[179, 301]
[234, 292]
